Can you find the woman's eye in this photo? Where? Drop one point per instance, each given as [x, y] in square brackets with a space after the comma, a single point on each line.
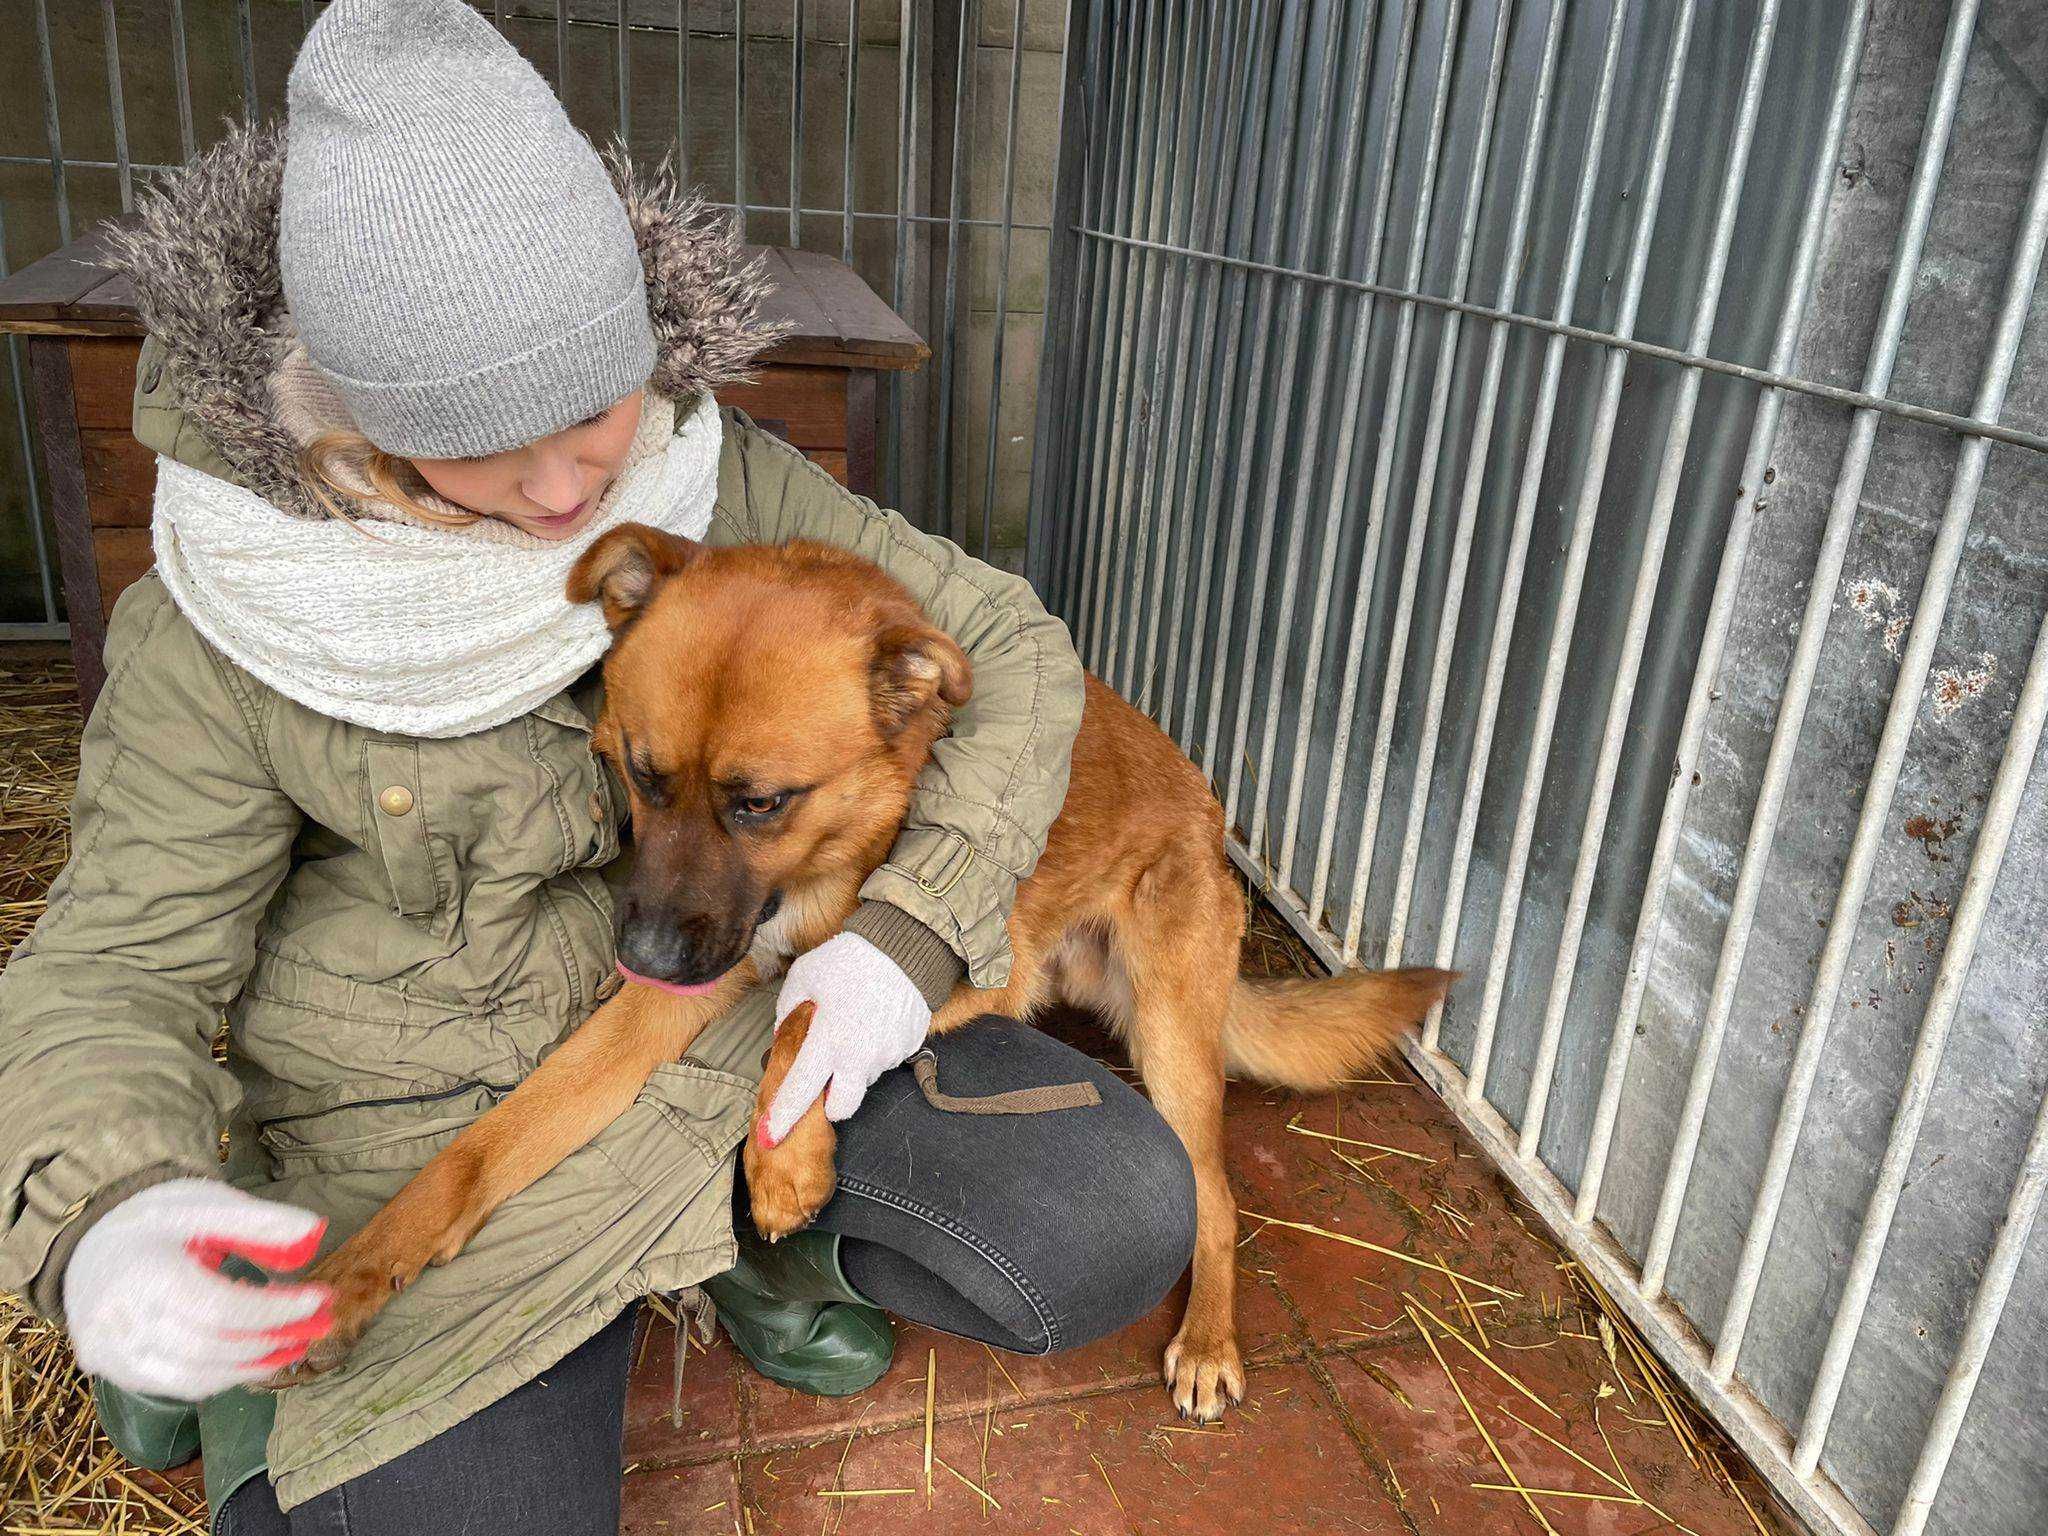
[763, 805]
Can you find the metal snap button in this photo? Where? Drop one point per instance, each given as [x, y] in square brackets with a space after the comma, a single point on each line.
[395, 801]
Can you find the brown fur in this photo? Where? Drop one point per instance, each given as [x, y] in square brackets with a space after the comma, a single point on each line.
[762, 669]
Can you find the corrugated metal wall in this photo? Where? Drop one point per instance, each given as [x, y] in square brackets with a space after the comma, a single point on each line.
[1574, 474]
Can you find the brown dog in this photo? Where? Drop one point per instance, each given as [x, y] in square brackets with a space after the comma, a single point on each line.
[771, 709]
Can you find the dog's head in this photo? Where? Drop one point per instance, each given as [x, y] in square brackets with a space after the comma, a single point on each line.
[769, 709]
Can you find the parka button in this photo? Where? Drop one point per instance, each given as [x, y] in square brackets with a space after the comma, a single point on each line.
[597, 807]
[395, 801]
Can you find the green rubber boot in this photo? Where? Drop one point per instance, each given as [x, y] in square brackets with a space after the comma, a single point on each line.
[789, 1308]
[152, 1432]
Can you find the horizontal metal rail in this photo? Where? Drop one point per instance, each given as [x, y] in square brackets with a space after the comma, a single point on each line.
[1926, 416]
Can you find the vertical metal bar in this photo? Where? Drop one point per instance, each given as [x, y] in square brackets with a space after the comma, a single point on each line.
[1276, 456]
[622, 70]
[683, 93]
[1420, 222]
[1047, 518]
[906, 102]
[2001, 812]
[1348, 417]
[1248, 426]
[1541, 420]
[852, 118]
[245, 40]
[1979, 1329]
[995, 386]
[1177, 297]
[1133, 418]
[1104, 271]
[28, 454]
[1227, 410]
[1813, 627]
[796, 125]
[1749, 500]
[1884, 776]
[1649, 566]
[1220, 185]
[1475, 453]
[1111, 408]
[52, 130]
[1584, 517]
[1422, 498]
[183, 79]
[970, 21]
[739, 117]
[111, 30]
[1183, 180]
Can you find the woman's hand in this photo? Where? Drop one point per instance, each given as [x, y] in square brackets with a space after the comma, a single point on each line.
[868, 1017]
[149, 1310]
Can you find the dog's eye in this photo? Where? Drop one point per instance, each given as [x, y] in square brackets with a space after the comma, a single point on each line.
[759, 807]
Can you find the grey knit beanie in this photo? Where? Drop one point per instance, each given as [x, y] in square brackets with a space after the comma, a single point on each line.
[453, 252]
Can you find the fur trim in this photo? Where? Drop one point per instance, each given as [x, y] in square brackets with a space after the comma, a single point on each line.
[202, 255]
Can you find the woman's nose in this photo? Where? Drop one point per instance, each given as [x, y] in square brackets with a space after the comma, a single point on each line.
[554, 483]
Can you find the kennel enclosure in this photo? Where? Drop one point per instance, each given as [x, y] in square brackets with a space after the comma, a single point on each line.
[1570, 474]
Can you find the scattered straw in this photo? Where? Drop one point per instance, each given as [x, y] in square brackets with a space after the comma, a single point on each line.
[1477, 1423]
[1353, 1141]
[931, 1393]
[989, 1499]
[1389, 1253]
[1474, 1351]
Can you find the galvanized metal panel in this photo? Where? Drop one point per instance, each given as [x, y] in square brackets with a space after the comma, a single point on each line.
[1619, 874]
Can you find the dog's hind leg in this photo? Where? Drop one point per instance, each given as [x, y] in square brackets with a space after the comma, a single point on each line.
[1179, 947]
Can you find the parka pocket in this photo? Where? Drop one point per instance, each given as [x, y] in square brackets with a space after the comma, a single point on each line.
[398, 822]
[687, 1122]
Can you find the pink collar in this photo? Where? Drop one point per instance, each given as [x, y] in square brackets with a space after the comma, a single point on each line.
[674, 988]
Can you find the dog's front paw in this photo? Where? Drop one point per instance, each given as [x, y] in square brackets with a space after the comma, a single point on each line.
[1204, 1373]
[362, 1275]
[789, 1183]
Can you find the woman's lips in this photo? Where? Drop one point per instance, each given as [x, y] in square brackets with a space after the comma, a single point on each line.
[563, 519]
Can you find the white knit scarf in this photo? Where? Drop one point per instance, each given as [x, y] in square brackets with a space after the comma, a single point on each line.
[414, 630]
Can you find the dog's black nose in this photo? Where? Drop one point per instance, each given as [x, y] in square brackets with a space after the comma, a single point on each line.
[652, 947]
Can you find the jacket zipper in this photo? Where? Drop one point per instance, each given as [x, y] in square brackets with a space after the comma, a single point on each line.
[495, 1090]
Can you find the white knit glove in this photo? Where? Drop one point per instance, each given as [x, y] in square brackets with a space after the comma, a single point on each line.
[869, 1017]
[149, 1309]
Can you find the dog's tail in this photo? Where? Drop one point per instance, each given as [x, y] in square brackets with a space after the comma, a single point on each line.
[1311, 1033]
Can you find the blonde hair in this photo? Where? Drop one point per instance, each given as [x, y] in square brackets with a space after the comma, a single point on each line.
[339, 466]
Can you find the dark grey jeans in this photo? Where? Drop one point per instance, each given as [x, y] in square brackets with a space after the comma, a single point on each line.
[1035, 1233]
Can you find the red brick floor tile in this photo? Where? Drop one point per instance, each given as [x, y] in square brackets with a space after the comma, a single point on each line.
[1439, 1203]
[1411, 1417]
[1108, 1464]
[971, 1376]
[702, 1500]
[710, 1404]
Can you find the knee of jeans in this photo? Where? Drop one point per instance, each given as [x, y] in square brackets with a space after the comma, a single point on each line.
[1132, 1236]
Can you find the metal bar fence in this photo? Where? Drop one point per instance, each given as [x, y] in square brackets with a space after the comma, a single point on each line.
[639, 39]
[1580, 719]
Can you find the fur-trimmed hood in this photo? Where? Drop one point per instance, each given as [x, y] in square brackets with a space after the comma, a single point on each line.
[203, 257]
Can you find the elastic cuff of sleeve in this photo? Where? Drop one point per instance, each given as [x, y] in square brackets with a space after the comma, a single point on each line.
[47, 1293]
[928, 960]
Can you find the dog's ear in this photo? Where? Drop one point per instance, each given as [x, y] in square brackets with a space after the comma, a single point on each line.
[913, 665]
[623, 569]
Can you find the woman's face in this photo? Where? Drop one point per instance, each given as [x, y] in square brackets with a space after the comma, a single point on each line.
[548, 488]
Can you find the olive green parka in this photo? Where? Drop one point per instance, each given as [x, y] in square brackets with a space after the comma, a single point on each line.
[392, 964]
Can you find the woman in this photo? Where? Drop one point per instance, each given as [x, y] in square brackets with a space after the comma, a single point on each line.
[340, 788]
